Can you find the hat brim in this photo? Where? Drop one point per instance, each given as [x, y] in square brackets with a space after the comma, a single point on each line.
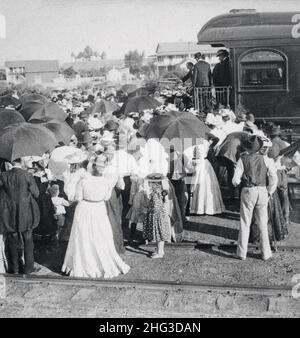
[222, 53]
[252, 149]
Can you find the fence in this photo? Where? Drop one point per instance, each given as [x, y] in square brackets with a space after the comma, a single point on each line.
[206, 97]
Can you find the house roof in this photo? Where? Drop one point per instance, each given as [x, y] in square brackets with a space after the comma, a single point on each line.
[181, 48]
[35, 66]
[247, 28]
[88, 65]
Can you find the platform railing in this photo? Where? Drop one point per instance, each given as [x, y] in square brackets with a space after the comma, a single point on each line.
[205, 97]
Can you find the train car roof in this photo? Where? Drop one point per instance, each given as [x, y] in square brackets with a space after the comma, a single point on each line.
[250, 28]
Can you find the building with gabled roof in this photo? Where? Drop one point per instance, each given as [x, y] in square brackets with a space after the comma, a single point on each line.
[32, 71]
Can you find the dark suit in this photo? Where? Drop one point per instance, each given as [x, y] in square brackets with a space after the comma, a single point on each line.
[221, 73]
[222, 78]
[202, 74]
[20, 217]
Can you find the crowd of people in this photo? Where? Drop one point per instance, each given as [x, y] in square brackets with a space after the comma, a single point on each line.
[93, 192]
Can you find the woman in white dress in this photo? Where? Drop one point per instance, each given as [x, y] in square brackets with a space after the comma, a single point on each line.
[205, 190]
[91, 251]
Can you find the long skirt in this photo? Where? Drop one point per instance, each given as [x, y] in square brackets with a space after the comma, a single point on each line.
[207, 197]
[91, 251]
[69, 217]
[47, 227]
[114, 210]
[277, 226]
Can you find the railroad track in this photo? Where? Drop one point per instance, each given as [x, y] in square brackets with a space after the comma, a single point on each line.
[219, 246]
[179, 285]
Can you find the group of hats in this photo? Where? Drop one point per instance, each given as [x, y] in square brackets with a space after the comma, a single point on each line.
[219, 52]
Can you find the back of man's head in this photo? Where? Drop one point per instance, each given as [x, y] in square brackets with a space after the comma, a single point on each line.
[197, 56]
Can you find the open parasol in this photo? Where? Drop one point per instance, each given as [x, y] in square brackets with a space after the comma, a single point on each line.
[58, 162]
[8, 100]
[128, 88]
[25, 139]
[49, 111]
[10, 116]
[62, 131]
[103, 107]
[182, 128]
[139, 92]
[30, 104]
[138, 104]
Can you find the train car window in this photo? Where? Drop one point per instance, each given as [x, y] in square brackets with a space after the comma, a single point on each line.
[263, 69]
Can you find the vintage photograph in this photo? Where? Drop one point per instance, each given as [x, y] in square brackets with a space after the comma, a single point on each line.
[149, 160]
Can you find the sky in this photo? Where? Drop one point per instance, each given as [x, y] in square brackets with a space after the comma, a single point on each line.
[53, 29]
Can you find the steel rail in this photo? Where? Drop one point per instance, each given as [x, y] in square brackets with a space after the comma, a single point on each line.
[229, 289]
[220, 246]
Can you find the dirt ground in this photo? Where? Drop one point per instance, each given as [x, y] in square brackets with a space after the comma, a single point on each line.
[194, 264]
[189, 263]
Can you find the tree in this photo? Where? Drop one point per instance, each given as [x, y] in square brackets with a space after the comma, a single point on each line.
[80, 55]
[103, 56]
[134, 60]
[88, 52]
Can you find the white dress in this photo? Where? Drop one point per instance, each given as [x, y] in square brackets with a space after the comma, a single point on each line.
[206, 194]
[91, 251]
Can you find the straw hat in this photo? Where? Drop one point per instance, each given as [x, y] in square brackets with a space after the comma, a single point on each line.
[107, 136]
[100, 161]
[77, 157]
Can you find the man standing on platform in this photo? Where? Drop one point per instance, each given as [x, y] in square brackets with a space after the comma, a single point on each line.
[221, 76]
[257, 174]
[201, 82]
[201, 72]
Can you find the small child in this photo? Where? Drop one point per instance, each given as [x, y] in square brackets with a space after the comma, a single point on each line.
[59, 204]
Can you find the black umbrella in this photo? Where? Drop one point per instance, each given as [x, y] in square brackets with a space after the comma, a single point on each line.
[103, 107]
[139, 92]
[128, 88]
[62, 131]
[138, 104]
[49, 111]
[30, 104]
[8, 100]
[25, 139]
[10, 116]
[183, 126]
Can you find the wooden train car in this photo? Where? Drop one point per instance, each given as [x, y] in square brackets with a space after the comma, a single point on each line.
[265, 60]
